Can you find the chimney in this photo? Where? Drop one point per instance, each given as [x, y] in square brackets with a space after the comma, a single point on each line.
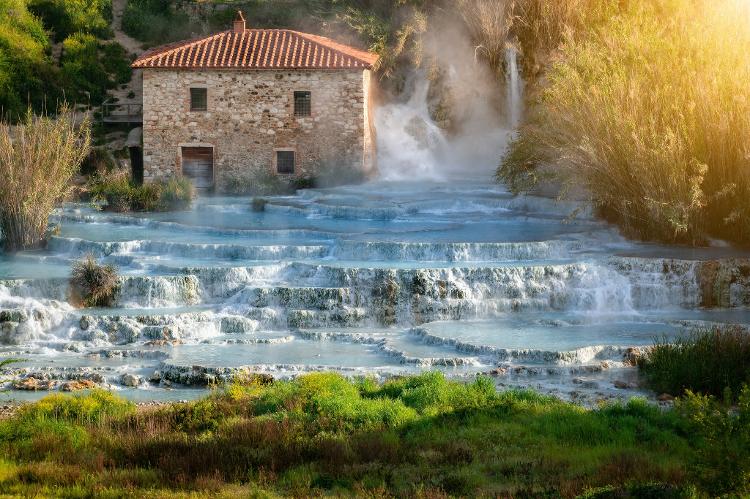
[239, 23]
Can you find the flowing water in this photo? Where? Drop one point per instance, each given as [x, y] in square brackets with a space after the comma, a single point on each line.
[434, 266]
[382, 278]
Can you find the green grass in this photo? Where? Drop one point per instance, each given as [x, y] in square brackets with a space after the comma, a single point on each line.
[321, 434]
[714, 361]
[120, 194]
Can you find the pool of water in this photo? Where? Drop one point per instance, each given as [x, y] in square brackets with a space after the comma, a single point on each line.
[382, 278]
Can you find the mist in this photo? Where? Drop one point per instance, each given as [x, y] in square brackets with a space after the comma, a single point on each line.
[485, 108]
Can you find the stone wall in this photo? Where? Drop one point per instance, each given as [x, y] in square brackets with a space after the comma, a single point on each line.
[251, 115]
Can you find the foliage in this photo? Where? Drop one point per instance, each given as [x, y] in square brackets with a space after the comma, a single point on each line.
[27, 77]
[644, 103]
[321, 434]
[120, 194]
[721, 463]
[98, 162]
[93, 285]
[68, 17]
[711, 362]
[157, 22]
[37, 160]
[89, 67]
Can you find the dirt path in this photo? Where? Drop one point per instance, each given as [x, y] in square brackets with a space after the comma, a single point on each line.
[131, 44]
[133, 91]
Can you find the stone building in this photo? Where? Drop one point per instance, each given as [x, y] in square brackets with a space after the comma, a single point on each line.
[243, 104]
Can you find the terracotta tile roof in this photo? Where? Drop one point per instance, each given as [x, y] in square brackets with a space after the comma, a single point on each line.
[257, 49]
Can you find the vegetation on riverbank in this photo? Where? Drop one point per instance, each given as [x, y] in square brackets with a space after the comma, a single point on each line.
[649, 111]
[714, 361]
[38, 157]
[414, 436]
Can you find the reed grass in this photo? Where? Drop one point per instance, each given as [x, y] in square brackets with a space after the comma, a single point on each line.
[714, 361]
[650, 113]
[38, 157]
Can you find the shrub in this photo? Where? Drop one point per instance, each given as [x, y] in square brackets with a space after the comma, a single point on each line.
[176, 194]
[98, 162]
[93, 285]
[37, 160]
[654, 103]
[721, 437]
[709, 362]
[156, 22]
[89, 67]
[66, 17]
[120, 194]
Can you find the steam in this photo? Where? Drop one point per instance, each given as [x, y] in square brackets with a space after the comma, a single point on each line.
[483, 112]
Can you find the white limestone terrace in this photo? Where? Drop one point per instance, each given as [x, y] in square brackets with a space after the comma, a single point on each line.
[379, 279]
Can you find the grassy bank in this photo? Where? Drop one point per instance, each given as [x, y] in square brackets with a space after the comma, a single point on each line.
[321, 434]
[714, 361]
[648, 110]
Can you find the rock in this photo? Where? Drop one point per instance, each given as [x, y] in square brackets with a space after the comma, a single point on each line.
[85, 323]
[238, 325]
[163, 343]
[498, 371]
[131, 380]
[76, 385]
[155, 377]
[665, 397]
[33, 384]
[621, 385]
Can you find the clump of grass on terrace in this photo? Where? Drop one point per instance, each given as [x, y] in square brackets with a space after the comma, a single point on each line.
[321, 434]
[92, 284]
[120, 194]
[714, 362]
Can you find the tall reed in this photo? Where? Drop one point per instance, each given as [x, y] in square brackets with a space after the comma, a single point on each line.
[38, 157]
[650, 113]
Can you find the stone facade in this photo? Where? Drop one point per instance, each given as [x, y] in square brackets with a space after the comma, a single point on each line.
[250, 116]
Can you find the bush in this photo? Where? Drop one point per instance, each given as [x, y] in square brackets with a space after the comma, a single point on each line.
[654, 102]
[721, 437]
[93, 285]
[709, 362]
[98, 162]
[121, 195]
[66, 17]
[176, 194]
[37, 160]
[89, 67]
[156, 22]
[27, 76]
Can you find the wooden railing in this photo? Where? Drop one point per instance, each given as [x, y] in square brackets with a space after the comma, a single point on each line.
[116, 112]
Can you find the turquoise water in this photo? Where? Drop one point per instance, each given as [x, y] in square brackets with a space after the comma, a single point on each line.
[382, 278]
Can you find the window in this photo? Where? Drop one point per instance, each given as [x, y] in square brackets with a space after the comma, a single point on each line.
[198, 99]
[302, 104]
[285, 162]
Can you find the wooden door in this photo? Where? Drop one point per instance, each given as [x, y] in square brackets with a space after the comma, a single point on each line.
[198, 166]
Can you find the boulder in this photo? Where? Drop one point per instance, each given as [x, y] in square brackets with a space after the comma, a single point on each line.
[131, 380]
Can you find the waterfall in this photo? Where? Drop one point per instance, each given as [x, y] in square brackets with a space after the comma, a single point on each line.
[514, 89]
[410, 144]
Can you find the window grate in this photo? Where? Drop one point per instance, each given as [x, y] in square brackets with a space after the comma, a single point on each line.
[285, 162]
[198, 99]
[302, 104]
